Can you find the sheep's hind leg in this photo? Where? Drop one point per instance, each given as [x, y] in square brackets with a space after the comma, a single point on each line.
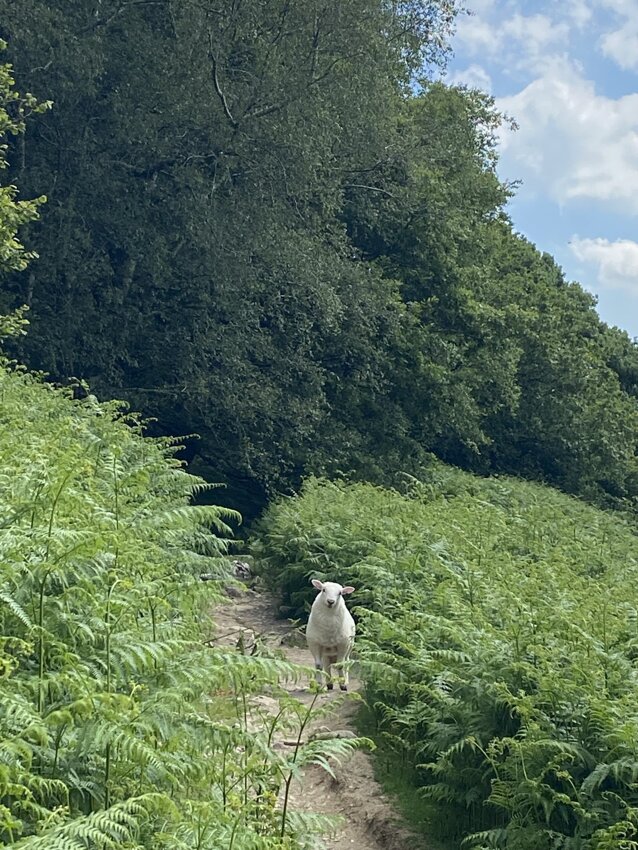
[319, 673]
[328, 667]
[344, 670]
[343, 684]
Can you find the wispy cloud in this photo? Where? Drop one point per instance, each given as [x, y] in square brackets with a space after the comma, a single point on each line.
[616, 263]
[579, 12]
[474, 77]
[621, 44]
[502, 33]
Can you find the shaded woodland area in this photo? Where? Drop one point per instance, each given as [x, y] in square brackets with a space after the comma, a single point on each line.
[267, 224]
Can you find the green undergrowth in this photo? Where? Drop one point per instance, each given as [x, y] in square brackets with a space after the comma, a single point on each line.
[395, 773]
[498, 642]
[120, 727]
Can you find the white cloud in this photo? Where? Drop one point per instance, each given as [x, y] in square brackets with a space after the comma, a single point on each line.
[621, 44]
[616, 262]
[514, 40]
[579, 12]
[625, 8]
[573, 143]
[575, 146]
[536, 33]
[622, 7]
[474, 77]
[477, 35]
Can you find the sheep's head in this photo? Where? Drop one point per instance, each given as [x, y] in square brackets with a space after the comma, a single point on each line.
[331, 592]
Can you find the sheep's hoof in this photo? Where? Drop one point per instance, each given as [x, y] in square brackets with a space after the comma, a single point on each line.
[330, 686]
[343, 687]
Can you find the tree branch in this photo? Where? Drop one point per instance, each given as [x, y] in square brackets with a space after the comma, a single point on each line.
[218, 88]
[369, 188]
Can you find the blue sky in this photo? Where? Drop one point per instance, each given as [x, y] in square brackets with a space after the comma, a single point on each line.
[567, 72]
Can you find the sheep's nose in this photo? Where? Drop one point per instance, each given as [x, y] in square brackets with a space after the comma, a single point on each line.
[330, 602]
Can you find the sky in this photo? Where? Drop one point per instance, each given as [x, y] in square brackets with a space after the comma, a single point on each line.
[566, 71]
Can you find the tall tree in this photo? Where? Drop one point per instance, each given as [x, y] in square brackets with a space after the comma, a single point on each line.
[192, 259]
[510, 369]
[267, 226]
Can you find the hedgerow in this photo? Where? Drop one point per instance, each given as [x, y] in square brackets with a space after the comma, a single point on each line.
[119, 726]
[498, 627]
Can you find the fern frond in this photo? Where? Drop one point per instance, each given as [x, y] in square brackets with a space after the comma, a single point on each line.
[16, 609]
[309, 829]
[109, 829]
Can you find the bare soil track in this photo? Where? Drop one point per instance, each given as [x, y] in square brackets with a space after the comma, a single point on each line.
[370, 821]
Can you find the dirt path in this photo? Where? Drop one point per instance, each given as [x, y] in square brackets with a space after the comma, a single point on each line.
[370, 821]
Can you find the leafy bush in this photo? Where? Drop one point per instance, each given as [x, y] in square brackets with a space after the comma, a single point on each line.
[119, 725]
[498, 639]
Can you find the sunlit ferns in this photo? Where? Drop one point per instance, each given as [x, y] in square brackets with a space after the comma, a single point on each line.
[499, 637]
[110, 702]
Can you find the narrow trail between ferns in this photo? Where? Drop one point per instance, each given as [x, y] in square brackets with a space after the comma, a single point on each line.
[370, 822]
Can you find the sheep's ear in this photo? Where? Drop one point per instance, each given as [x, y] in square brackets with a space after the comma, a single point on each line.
[347, 589]
[316, 583]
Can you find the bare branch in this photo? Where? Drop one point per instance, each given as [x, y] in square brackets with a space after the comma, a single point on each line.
[315, 48]
[282, 22]
[218, 88]
[369, 188]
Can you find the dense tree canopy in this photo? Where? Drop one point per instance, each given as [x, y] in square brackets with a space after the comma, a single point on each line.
[266, 225]
[14, 213]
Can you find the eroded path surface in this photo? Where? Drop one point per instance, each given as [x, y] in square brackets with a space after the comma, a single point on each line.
[370, 821]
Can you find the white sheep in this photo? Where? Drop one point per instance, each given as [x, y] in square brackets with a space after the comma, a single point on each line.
[330, 631]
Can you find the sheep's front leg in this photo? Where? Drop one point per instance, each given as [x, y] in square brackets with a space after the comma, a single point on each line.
[317, 655]
[329, 660]
[344, 670]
